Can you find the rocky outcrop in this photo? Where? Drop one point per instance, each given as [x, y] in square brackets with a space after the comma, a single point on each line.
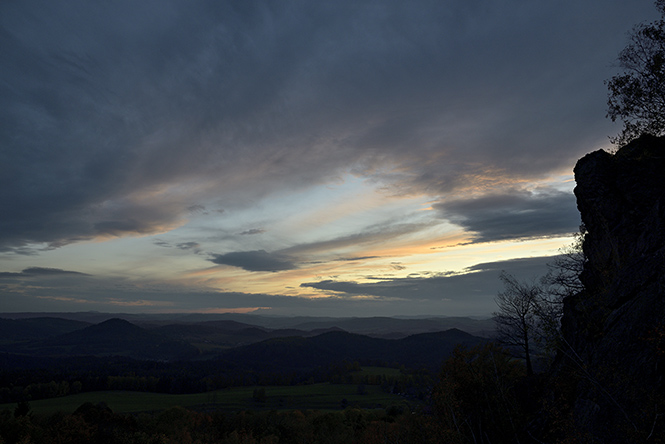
[614, 331]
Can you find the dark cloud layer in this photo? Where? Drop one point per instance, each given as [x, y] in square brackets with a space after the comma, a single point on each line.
[37, 272]
[478, 285]
[117, 117]
[517, 214]
[259, 260]
[40, 271]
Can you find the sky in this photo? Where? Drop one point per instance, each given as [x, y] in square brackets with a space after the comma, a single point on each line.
[346, 158]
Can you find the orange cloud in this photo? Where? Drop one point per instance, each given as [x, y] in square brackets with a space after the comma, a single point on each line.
[218, 310]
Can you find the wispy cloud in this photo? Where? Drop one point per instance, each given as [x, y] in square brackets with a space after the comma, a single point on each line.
[190, 246]
[253, 231]
[389, 231]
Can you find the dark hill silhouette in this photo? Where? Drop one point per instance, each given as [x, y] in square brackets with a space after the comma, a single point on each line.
[223, 334]
[228, 334]
[385, 327]
[425, 345]
[427, 349]
[233, 341]
[117, 329]
[228, 324]
[110, 338]
[397, 327]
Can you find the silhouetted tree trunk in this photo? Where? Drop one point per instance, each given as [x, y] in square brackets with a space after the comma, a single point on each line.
[517, 318]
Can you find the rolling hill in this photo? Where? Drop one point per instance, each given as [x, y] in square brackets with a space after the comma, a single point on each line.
[114, 337]
[426, 349]
[234, 342]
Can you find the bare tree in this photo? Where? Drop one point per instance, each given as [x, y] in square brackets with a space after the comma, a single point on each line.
[561, 281]
[517, 320]
[563, 276]
[529, 315]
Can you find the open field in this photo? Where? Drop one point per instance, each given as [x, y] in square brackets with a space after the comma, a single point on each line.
[378, 371]
[322, 396]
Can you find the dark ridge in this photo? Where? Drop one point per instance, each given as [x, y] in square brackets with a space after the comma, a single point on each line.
[426, 349]
[114, 337]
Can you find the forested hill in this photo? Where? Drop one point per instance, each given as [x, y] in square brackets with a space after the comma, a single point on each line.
[421, 350]
[118, 355]
[230, 341]
[115, 337]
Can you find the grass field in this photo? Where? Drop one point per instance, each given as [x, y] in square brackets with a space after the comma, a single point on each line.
[377, 371]
[323, 396]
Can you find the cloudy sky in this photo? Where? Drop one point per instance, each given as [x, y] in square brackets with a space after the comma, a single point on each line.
[346, 158]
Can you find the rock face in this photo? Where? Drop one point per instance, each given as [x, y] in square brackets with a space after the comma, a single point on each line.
[614, 331]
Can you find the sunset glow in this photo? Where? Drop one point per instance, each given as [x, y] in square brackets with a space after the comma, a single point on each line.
[290, 158]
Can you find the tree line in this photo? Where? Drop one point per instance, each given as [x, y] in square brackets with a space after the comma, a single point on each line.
[71, 376]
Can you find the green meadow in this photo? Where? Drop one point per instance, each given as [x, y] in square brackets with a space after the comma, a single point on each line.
[322, 396]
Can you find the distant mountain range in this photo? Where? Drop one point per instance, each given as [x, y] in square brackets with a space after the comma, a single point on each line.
[394, 327]
[425, 349]
[309, 342]
[114, 337]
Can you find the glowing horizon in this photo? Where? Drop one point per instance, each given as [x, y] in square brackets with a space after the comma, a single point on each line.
[318, 160]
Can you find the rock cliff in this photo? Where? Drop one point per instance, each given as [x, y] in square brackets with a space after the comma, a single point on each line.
[614, 331]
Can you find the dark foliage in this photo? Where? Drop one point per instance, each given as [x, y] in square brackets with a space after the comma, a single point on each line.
[93, 424]
[637, 97]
